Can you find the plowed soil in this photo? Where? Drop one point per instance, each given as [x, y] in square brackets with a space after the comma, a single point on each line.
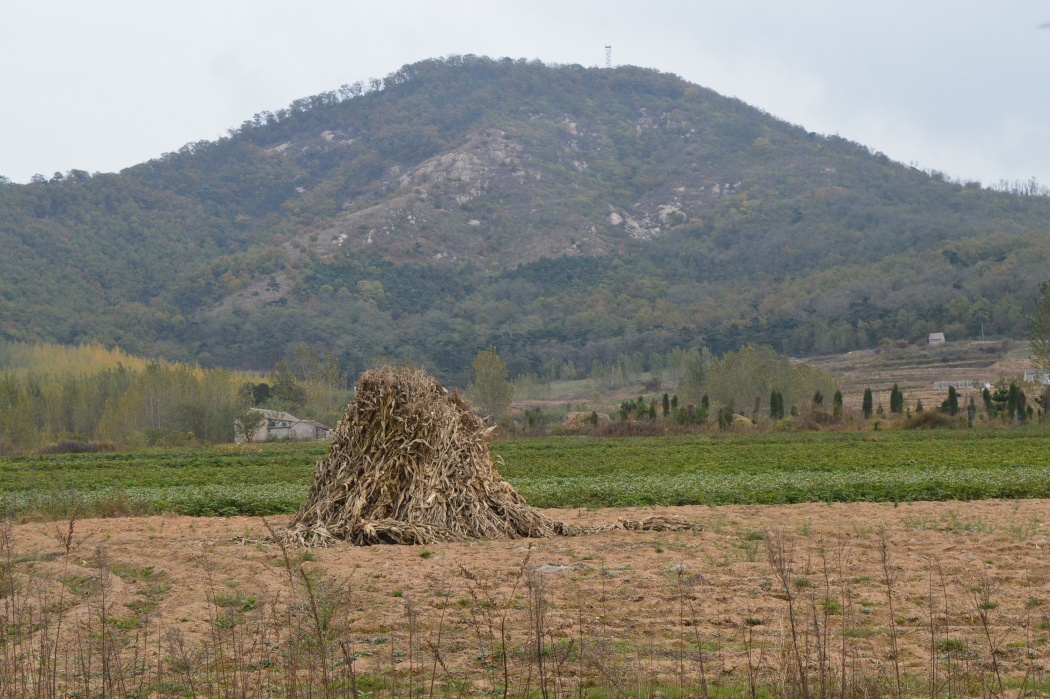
[969, 579]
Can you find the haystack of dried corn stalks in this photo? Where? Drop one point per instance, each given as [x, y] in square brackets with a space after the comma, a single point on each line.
[409, 464]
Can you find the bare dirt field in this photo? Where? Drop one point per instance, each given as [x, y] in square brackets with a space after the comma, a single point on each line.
[755, 590]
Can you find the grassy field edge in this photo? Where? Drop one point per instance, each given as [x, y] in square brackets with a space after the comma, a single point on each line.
[272, 479]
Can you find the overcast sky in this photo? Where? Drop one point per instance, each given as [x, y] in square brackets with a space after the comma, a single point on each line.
[954, 85]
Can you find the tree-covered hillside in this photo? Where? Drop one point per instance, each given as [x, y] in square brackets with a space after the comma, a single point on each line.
[555, 212]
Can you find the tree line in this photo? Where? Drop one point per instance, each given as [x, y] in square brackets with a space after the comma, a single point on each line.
[50, 393]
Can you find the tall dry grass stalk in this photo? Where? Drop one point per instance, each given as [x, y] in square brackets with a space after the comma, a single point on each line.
[68, 628]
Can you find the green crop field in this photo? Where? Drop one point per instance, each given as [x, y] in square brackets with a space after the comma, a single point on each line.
[563, 472]
[780, 468]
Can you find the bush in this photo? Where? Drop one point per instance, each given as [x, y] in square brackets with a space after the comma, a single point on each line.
[77, 446]
[807, 422]
[167, 437]
[929, 420]
[821, 417]
[631, 428]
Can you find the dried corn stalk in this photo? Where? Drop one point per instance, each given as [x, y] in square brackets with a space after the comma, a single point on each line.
[409, 464]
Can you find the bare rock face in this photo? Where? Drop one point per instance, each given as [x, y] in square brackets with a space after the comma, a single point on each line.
[488, 199]
[428, 211]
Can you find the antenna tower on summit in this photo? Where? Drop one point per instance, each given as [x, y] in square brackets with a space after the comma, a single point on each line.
[608, 56]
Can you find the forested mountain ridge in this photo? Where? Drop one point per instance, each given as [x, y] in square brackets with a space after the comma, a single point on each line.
[554, 211]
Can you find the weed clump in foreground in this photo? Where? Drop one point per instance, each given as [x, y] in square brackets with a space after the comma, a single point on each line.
[89, 625]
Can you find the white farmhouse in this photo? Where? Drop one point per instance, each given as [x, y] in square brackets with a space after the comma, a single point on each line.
[1037, 376]
[281, 425]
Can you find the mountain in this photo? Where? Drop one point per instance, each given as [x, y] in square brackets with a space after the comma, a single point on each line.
[556, 212]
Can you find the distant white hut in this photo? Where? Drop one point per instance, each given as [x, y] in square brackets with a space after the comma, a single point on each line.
[282, 425]
[936, 339]
[1037, 376]
[971, 383]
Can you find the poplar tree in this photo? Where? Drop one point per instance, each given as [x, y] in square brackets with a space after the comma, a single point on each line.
[1040, 327]
[491, 391]
[951, 403]
[896, 399]
[776, 405]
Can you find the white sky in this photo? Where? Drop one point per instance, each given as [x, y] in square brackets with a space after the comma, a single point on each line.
[959, 86]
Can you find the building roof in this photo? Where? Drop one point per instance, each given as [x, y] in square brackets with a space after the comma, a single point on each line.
[281, 415]
[275, 414]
